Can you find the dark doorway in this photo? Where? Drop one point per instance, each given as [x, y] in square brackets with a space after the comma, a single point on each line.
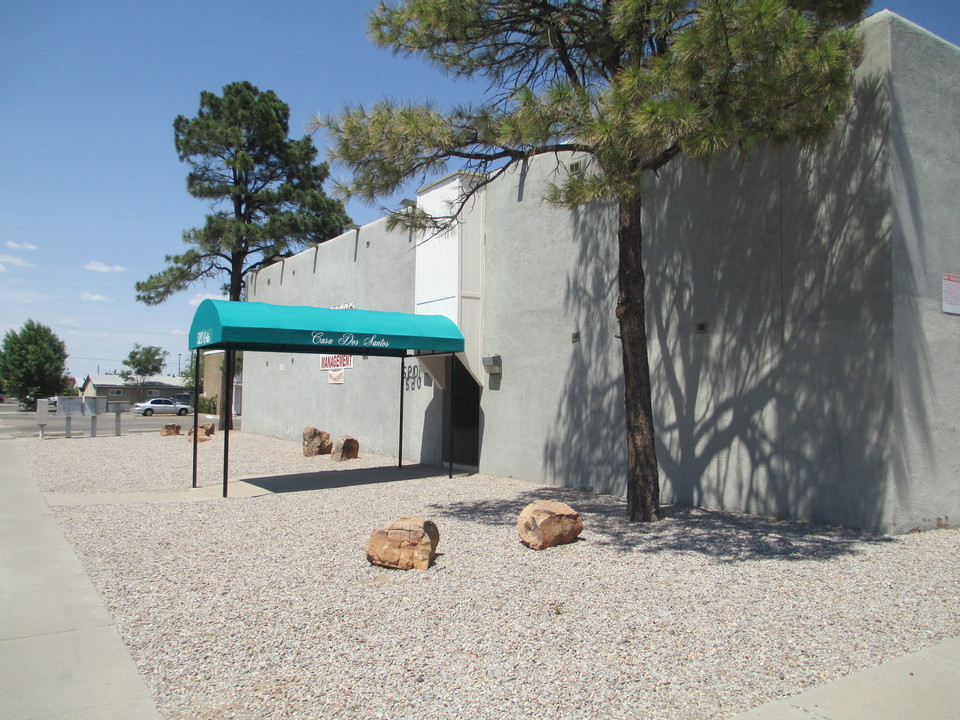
[465, 395]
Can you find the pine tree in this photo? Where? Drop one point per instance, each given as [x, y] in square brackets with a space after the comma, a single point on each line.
[266, 189]
[633, 85]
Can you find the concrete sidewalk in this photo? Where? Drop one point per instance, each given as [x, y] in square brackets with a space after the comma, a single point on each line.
[60, 654]
[924, 685]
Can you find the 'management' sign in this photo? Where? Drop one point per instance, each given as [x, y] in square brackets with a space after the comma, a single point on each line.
[336, 362]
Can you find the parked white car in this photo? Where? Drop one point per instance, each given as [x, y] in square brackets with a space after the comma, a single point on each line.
[161, 406]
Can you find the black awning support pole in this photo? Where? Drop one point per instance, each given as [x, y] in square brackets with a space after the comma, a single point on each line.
[226, 457]
[196, 412]
[228, 413]
[403, 372]
[453, 362]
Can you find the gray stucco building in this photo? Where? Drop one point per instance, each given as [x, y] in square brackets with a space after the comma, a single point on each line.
[805, 362]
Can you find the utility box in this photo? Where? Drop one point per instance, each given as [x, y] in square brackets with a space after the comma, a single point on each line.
[118, 406]
[43, 412]
[93, 405]
[70, 406]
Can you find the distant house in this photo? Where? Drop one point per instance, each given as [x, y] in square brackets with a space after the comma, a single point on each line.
[115, 387]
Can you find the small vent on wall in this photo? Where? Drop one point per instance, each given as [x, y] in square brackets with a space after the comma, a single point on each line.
[701, 328]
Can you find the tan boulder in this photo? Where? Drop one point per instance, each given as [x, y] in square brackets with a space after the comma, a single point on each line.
[169, 429]
[206, 430]
[410, 542]
[347, 448]
[316, 442]
[200, 438]
[545, 523]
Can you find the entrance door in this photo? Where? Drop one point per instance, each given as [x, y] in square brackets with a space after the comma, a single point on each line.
[464, 393]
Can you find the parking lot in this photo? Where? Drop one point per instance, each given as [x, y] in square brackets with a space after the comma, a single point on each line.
[21, 423]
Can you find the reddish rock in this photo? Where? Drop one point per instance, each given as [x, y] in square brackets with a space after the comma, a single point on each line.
[545, 523]
[410, 542]
[206, 430]
[169, 429]
[347, 448]
[316, 442]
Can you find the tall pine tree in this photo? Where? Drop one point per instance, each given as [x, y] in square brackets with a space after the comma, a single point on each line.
[267, 193]
[633, 85]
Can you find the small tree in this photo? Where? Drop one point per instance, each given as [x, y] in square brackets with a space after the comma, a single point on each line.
[33, 363]
[630, 84]
[266, 190]
[144, 362]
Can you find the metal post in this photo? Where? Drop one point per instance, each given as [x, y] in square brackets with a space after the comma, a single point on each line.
[453, 362]
[116, 424]
[227, 413]
[403, 371]
[67, 432]
[196, 412]
[93, 425]
[226, 457]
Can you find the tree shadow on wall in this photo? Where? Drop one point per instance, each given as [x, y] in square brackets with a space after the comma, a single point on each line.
[586, 448]
[783, 404]
[770, 328]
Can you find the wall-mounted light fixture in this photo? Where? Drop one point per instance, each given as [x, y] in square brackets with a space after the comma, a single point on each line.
[351, 226]
[409, 203]
[492, 364]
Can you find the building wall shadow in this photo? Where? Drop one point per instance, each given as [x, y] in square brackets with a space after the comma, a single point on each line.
[585, 446]
[770, 329]
[771, 326]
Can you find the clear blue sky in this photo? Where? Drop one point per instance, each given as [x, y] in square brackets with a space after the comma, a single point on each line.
[92, 196]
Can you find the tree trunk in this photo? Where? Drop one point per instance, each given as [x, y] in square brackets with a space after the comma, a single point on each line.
[229, 355]
[643, 481]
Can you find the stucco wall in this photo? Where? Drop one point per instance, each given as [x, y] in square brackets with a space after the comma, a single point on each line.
[925, 157]
[783, 405]
[784, 299]
[555, 413]
[801, 364]
[372, 269]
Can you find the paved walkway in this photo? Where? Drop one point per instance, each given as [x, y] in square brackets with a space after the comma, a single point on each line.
[62, 657]
[924, 685]
[60, 654]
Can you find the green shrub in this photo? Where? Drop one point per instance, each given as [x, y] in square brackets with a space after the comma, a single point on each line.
[207, 405]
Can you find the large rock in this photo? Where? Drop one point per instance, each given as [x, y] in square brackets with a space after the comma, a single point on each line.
[410, 542]
[206, 430]
[316, 442]
[545, 523]
[169, 429]
[347, 448]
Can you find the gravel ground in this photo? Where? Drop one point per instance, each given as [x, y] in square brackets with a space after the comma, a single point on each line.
[266, 607]
[148, 462]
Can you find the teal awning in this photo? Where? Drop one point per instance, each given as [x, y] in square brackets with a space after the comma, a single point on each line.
[220, 324]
